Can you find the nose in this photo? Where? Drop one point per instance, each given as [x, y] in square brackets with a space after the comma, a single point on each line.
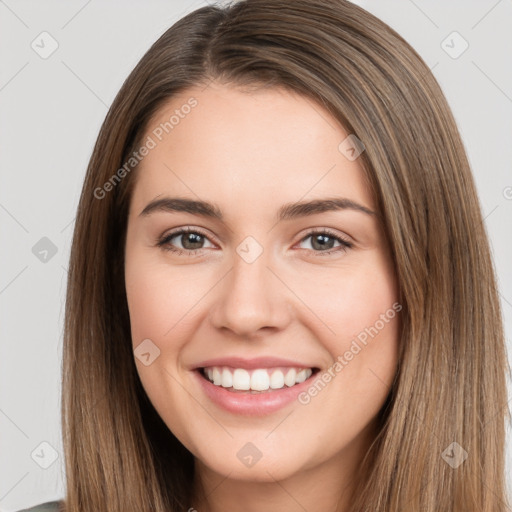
[251, 298]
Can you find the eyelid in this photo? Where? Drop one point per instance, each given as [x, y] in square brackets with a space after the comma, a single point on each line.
[189, 229]
[185, 229]
[335, 234]
[346, 242]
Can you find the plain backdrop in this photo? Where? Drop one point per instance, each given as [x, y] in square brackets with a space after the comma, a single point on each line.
[51, 108]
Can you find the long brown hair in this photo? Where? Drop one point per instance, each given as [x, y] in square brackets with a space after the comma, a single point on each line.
[450, 385]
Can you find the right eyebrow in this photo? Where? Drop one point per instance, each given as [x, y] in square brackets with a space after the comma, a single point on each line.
[177, 204]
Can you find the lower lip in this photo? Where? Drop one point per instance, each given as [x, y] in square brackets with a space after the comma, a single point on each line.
[252, 404]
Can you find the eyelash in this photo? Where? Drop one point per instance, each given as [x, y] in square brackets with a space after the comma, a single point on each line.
[164, 244]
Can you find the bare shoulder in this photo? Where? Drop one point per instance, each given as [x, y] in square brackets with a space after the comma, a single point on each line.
[49, 506]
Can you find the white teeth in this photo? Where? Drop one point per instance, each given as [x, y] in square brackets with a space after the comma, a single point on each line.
[217, 376]
[289, 378]
[227, 378]
[301, 376]
[241, 379]
[260, 379]
[277, 380]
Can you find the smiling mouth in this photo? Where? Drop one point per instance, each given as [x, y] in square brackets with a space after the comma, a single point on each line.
[261, 380]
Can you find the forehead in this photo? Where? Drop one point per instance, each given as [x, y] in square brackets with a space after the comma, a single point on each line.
[246, 148]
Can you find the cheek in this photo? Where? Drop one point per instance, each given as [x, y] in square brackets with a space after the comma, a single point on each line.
[350, 300]
[364, 350]
[157, 302]
[147, 305]
[158, 299]
[360, 313]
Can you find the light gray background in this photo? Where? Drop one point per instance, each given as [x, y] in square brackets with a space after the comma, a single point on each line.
[51, 110]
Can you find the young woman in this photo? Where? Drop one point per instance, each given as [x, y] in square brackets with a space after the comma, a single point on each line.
[280, 290]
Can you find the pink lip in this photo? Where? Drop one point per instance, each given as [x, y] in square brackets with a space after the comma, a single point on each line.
[248, 404]
[250, 364]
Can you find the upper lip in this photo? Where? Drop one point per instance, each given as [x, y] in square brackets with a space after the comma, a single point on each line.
[249, 364]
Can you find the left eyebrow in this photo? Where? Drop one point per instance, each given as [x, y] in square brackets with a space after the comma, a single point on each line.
[286, 212]
[305, 208]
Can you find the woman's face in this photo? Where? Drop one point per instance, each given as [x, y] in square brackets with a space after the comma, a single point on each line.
[257, 279]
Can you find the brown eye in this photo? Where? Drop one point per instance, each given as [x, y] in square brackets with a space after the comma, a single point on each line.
[323, 242]
[189, 240]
